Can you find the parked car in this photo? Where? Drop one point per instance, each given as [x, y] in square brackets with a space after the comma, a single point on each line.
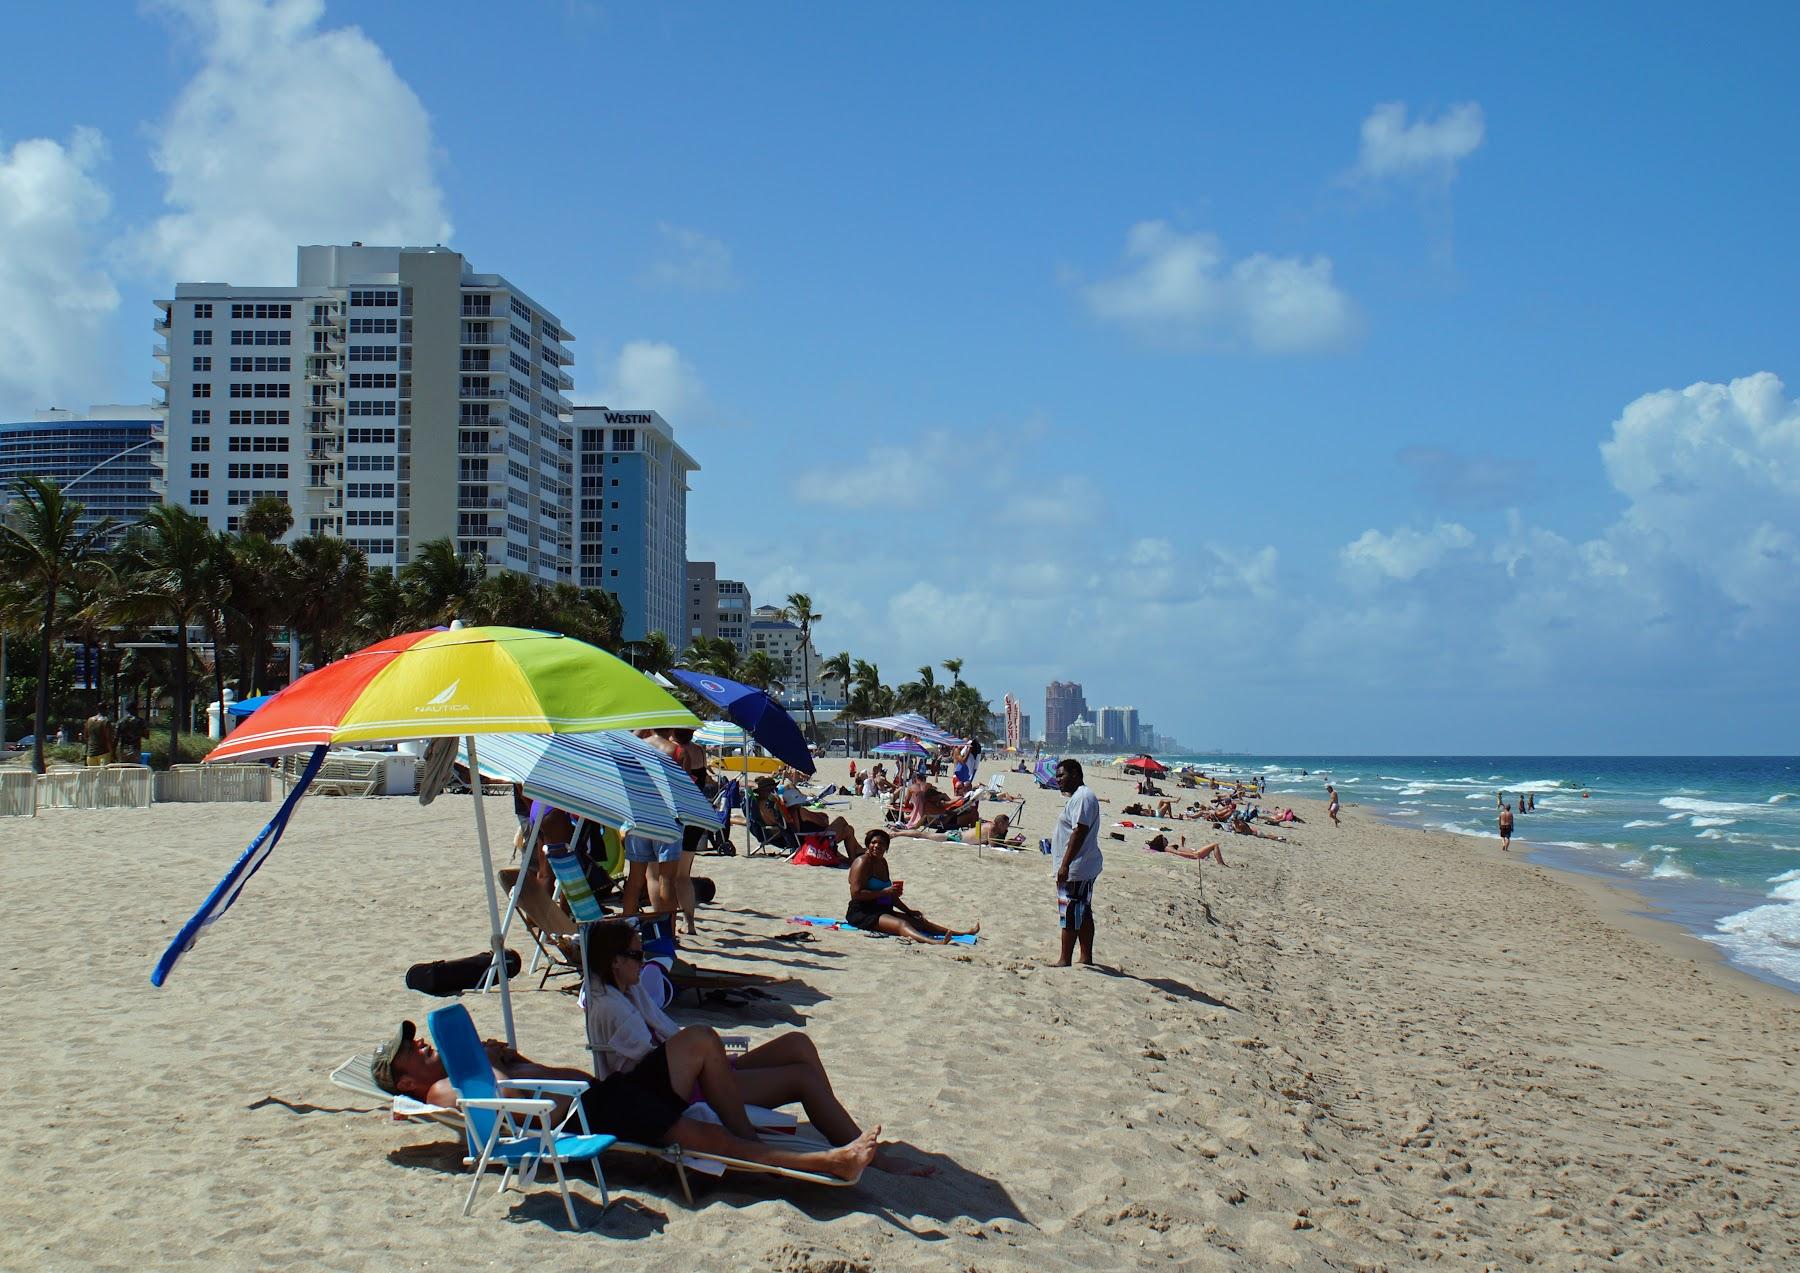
[22, 743]
[837, 747]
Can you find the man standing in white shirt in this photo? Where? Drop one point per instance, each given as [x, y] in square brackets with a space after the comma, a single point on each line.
[1077, 845]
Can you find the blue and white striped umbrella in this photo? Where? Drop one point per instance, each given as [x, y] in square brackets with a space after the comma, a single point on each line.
[900, 747]
[720, 733]
[915, 726]
[609, 777]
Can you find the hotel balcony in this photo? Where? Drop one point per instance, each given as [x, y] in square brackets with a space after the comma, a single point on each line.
[161, 325]
[160, 379]
[321, 371]
[481, 364]
[481, 393]
[491, 503]
[329, 323]
[161, 351]
[554, 351]
[479, 448]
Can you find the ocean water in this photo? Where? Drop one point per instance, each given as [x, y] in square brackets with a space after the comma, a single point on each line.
[1714, 841]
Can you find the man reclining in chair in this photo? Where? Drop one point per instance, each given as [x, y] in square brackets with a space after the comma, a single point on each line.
[643, 1101]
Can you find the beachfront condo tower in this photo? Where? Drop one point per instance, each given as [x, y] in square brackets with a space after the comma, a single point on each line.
[630, 531]
[1063, 706]
[717, 607]
[109, 460]
[391, 396]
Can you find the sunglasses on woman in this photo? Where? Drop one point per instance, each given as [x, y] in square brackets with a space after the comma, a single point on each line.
[636, 956]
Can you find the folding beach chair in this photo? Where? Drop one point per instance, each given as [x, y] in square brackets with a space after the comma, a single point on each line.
[768, 839]
[512, 1131]
[551, 926]
[358, 1075]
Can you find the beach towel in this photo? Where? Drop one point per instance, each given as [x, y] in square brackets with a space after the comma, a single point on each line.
[825, 921]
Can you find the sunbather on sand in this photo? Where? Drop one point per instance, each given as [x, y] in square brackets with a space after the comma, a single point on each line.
[1159, 843]
[999, 831]
[875, 903]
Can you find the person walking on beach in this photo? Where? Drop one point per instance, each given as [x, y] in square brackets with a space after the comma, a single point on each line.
[1332, 805]
[1506, 826]
[1077, 840]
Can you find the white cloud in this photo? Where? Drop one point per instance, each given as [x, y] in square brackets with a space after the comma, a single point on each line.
[54, 303]
[1404, 554]
[1180, 289]
[1713, 475]
[691, 261]
[288, 134]
[1392, 147]
[650, 375]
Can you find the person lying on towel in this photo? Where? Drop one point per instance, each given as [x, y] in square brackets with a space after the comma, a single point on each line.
[999, 831]
[875, 904]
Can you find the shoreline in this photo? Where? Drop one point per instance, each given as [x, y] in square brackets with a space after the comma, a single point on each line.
[1617, 896]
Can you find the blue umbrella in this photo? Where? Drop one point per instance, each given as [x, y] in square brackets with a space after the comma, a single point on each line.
[900, 747]
[768, 722]
[244, 706]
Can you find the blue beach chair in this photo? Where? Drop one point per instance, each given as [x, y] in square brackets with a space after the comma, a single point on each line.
[512, 1131]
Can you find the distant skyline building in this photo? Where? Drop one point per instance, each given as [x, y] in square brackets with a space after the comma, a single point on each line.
[718, 607]
[631, 532]
[392, 396]
[1063, 706]
[1080, 734]
[1117, 726]
[109, 460]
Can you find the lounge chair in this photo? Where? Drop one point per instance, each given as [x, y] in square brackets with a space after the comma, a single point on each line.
[551, 926]
[512, 1131]
[769, 839]
[358, 1075]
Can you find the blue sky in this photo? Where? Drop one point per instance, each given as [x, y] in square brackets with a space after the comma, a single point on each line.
[1316, 379]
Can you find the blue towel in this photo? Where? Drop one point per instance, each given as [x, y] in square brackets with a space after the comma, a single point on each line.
[822, 921]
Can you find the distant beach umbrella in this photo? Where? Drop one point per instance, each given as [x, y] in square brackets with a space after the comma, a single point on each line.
[719, 733]
[914, 725]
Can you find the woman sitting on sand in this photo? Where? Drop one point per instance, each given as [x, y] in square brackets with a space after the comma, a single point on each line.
[875, 904]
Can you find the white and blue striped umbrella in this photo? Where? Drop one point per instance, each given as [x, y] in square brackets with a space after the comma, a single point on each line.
[609, 777]
[915, 726]
[720, 733]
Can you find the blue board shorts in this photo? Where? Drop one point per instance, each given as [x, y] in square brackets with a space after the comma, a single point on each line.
[1074, 904]
[638, 849]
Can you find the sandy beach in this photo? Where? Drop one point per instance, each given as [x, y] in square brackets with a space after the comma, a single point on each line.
[1370, 1048]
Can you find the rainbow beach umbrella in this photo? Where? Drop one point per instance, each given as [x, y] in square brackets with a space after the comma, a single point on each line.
[440, 683]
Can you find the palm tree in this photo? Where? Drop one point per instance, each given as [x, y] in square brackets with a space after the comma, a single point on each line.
[331, 577]
[41, 548]
[799, 611]
[967, 713]
[839, 667]
[924, 695]
[954, 667]
[437, 585]
[169, 564]
[608, 618]
[651, 656]
[717, 655]
[263, 596]
[760, 670]
[381, 610]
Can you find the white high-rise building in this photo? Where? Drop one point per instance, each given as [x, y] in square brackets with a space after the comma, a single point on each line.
[391, 396]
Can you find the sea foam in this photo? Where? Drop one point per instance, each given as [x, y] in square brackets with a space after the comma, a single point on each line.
[1688, 805]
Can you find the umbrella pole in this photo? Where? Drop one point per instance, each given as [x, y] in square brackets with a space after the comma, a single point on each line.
[493, 898]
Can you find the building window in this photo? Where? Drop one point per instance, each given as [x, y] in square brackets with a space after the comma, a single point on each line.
[200, 415]
[369, 463]
[374, 353]
[378, 299]
[260, 310]
[261, 389]
[203, 336]
[366, 407]
[263, 362]
[613, 573]
[615, 481]
[199, 444]
[202, 363]
[374, 326]
[369, 490]
[369, 435]
[255, 442]
[203, 310]
[257, 417]
[200, 497]
[258, 336]
[374, 380]
[253, 472]
[199, 472]
[203, 389]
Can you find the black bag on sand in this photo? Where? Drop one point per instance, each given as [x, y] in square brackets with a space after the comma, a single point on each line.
[447, 977]
[704, 890]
